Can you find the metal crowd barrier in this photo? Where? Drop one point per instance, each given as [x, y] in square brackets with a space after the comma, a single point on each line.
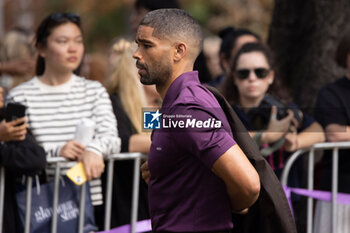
[335, 146]
[108, 197]
[137, 161]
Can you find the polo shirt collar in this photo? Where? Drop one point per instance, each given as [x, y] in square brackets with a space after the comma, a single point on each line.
[181, 82]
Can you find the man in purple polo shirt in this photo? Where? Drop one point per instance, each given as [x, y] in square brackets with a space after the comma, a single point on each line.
[198, 174]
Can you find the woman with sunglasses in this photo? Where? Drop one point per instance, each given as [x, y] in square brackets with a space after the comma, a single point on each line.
[57, 100]
[251, 84]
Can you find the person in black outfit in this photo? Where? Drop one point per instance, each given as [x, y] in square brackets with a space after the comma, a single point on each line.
[332, 110]
[19, 155]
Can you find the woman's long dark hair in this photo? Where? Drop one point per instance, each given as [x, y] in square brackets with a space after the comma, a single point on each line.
[230, 90]
[44, 30]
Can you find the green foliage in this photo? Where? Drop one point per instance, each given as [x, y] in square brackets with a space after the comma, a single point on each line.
[106, 27]
[107, 19]
[200, 10]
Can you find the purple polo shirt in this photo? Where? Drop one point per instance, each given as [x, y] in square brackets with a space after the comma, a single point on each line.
[184, 194]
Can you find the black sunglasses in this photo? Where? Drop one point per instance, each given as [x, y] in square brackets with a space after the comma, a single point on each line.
[62, 16]
[259, 72]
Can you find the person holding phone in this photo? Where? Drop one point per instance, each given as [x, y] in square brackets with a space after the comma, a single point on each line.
[11, 130]
[57, 100]
[19, 155]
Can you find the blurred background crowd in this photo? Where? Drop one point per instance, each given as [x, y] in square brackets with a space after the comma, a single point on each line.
[302, 34]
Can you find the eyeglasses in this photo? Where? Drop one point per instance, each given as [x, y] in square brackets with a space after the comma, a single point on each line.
[61, 16]
[259, 73]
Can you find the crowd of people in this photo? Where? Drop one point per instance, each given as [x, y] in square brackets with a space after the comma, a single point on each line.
[204, 167]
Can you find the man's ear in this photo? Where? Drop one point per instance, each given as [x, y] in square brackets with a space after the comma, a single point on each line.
[180, 51]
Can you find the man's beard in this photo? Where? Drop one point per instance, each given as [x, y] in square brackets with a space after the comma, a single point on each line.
[159, 75]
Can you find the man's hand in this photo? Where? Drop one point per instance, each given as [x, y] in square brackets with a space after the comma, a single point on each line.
[12, 131]
[145, 172]
[72, 150]
[93, 164]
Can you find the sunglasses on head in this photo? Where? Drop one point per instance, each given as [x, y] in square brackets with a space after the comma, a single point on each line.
[259, 73]
[61, 16]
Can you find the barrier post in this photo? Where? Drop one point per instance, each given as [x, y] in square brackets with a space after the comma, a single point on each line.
[28, 204]
[310, 186]
[288, 166]
[82, 208]
[2, 196]
[135, 193]
[334, 188]
[55, 199]
[108, 203]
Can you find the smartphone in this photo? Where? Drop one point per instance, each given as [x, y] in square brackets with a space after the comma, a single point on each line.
[77, 174]
[14, 111]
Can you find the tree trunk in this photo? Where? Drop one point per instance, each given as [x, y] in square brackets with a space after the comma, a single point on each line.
[304, 35]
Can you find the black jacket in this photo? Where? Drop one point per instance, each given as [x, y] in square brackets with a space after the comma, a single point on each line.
[19, 158]
[271, 212]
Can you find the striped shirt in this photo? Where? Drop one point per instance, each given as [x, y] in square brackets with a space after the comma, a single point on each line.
[53, 113]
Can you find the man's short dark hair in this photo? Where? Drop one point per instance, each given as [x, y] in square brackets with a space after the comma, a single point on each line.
[152, 5]
[177, 25]
[343, 50]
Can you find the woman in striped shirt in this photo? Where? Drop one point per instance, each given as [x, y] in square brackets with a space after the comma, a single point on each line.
[57, 99]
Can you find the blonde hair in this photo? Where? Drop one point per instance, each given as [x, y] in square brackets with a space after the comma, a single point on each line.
[124, 81]
[15, 45]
